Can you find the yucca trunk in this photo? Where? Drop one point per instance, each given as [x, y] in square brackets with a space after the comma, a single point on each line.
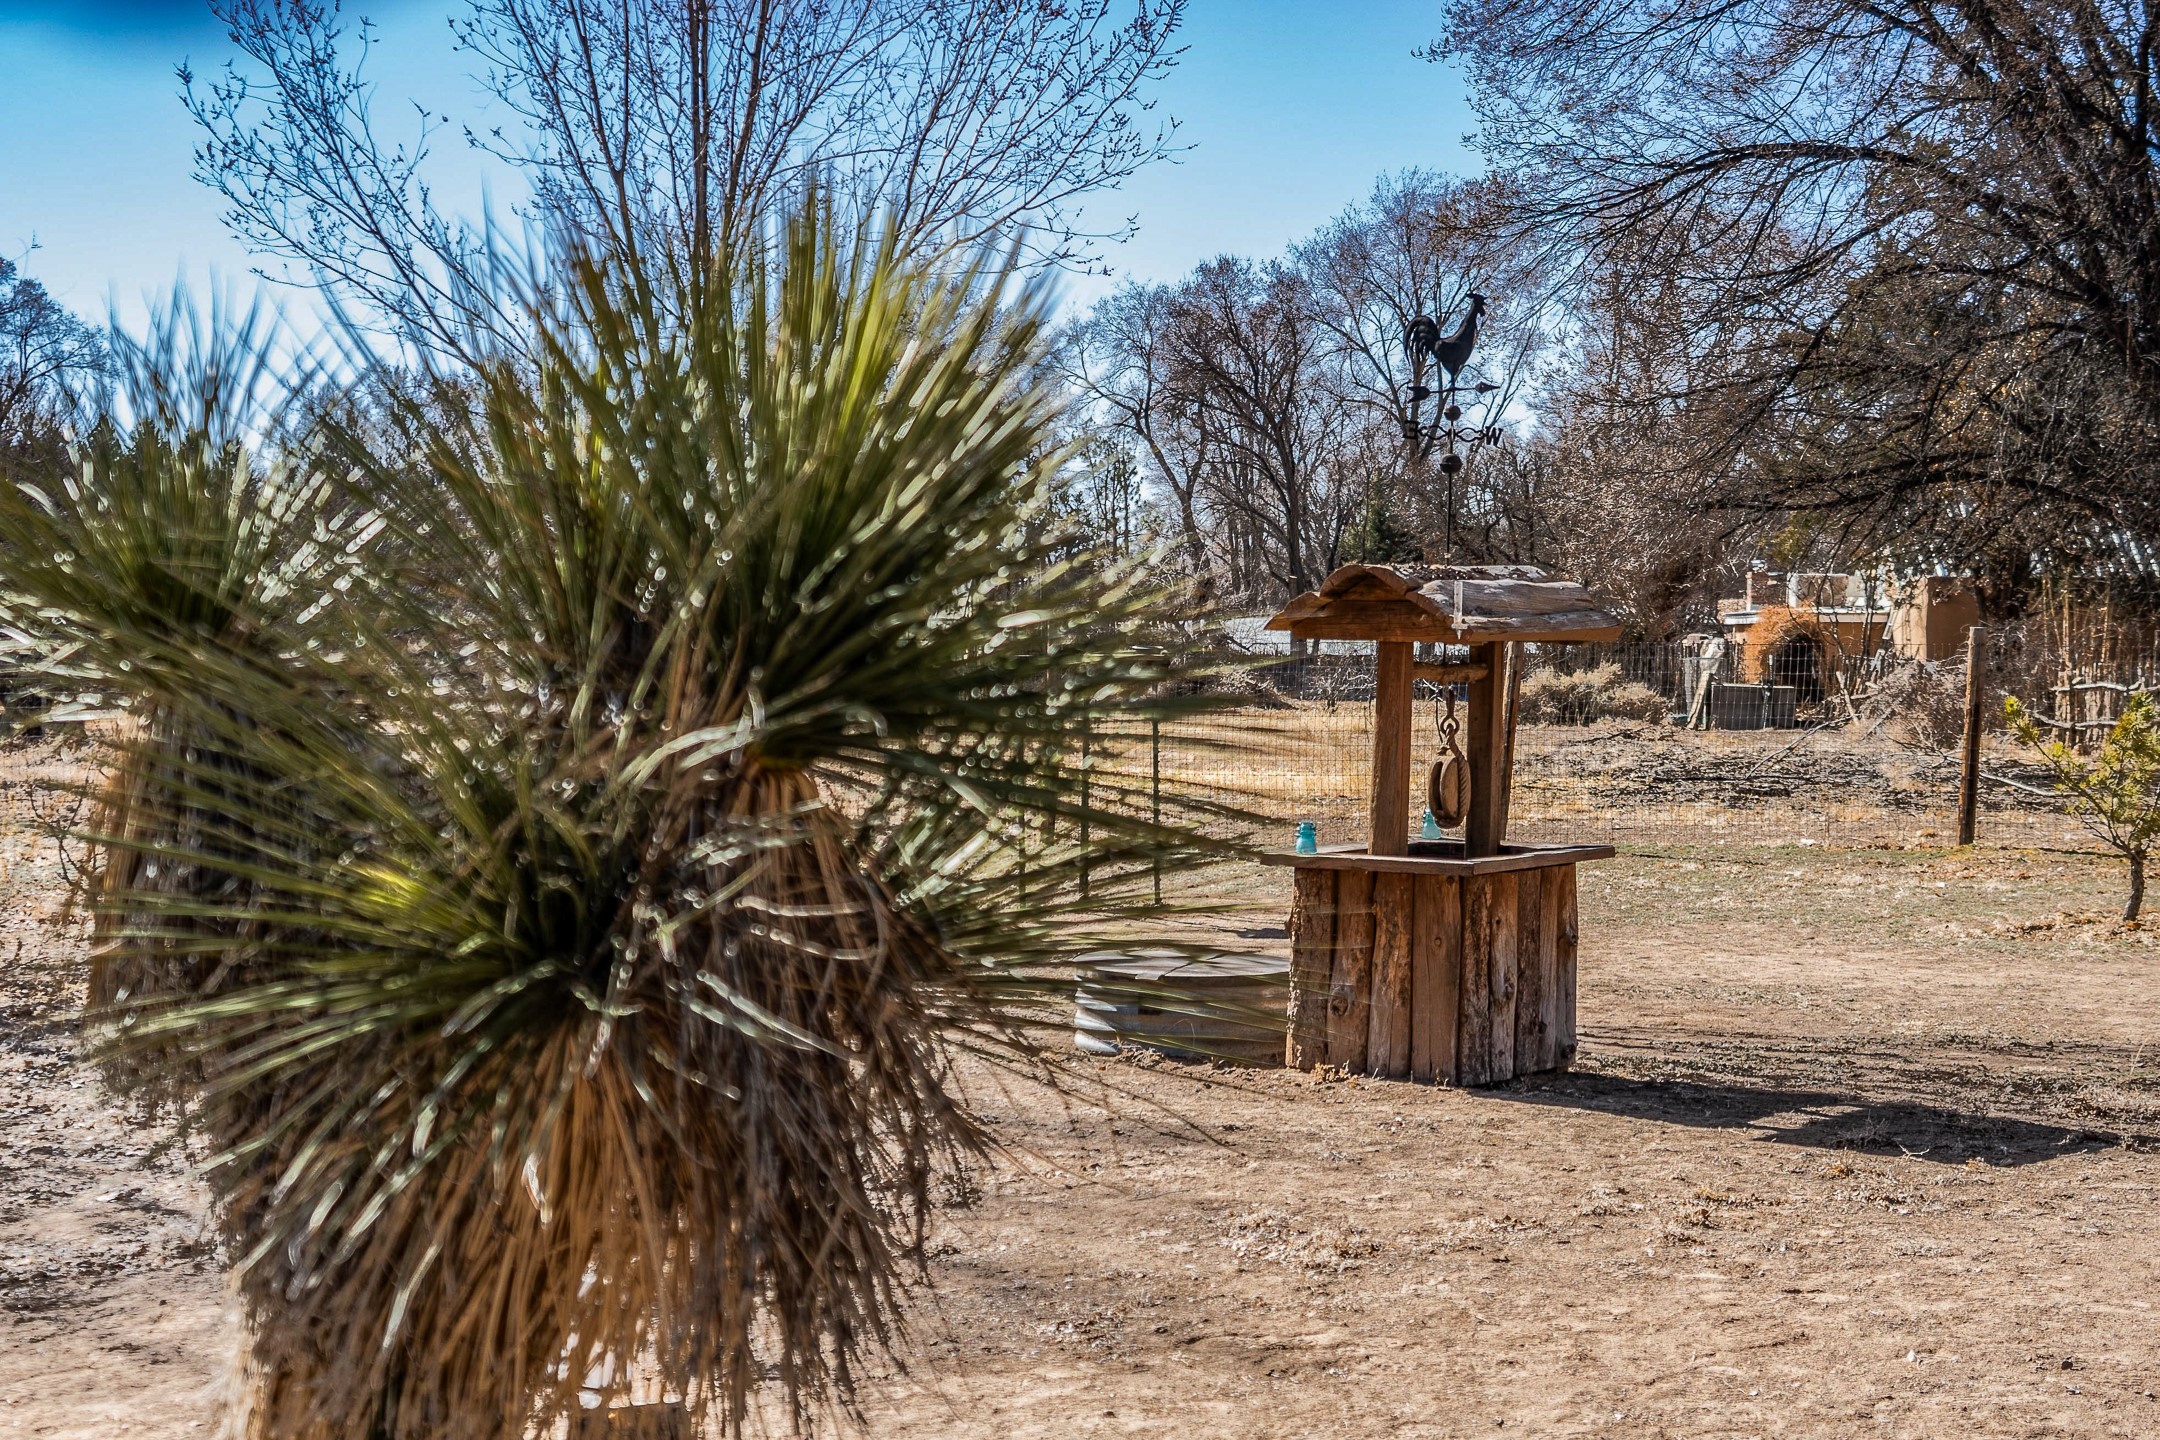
[169, 901]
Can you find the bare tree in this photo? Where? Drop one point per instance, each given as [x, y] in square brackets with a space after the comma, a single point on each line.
[1265, 401]
[1267, 439]
[1422, 244]
[663, 128]
[1101, 495]
[1625, 498]
[1915, 235]
[45, 354]
[1117, 360]
[1218, 383]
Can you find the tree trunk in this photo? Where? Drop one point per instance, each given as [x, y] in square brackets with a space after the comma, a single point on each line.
[2137, 885]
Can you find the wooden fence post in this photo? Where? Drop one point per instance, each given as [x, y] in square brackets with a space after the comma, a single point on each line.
[1969, 762]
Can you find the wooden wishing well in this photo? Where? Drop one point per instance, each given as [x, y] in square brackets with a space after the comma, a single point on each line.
[1450, 960]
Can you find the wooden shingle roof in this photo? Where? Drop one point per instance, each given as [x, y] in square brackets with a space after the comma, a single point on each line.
[1447, 604]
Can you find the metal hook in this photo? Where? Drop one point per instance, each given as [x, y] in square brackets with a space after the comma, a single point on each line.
[1449, 727]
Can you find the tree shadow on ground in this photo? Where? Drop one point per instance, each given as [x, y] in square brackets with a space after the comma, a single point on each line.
[1821, 1118]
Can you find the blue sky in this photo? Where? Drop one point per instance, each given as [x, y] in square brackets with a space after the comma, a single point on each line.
[1292, 110]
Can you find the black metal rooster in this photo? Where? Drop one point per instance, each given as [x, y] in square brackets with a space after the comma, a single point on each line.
[1422, 336]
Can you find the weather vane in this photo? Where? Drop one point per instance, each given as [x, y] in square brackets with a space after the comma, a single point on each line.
[1451, 353]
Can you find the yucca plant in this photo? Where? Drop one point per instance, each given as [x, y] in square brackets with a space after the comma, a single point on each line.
[185, 523]
[622, 845]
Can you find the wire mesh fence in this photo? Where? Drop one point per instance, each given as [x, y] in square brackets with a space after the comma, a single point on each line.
[1706, 686]
[1297, 746]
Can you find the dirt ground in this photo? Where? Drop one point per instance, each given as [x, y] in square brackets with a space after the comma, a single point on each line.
[1859, 1142]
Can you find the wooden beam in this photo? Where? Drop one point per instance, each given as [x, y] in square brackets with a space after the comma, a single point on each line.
[1533, 975]
[1446, 674]
[1474, 1004]
[1373, 620]
[1393, 620]
[1501, 970]
[1557, 889]
[1485, 1028]
[1485, 747]
[1561, 885]
[1589, 628]
[1390, 833]
[1521, 599]
[1593, 626]
[1517, 857]
[1969, 751]
[1513, 703]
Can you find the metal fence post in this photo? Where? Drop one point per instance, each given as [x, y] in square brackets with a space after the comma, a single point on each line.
[1086, 731]
[1155, 792]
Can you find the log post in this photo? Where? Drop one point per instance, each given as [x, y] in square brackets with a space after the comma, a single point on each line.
[1511, 703]
[1503, 966]
[1312, 969]
[1533, 973]
[1350, 986]
[1969, 757]
[1436, 930]
[1474, 1013]
[1387, 1051]
[1486, 751]
[1564, 931]
[1391, 750]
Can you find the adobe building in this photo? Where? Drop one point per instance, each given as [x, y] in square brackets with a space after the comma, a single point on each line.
[1803, 630]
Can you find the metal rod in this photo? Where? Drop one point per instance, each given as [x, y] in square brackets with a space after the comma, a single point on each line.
[1086, 733]
[1155, 793]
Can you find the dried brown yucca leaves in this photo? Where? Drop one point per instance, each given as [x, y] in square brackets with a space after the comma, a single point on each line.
[595, 879]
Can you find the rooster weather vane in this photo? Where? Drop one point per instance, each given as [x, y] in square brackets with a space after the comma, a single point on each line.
[1450, 353]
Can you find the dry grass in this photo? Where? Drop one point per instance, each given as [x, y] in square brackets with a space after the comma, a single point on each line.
[1315, 753]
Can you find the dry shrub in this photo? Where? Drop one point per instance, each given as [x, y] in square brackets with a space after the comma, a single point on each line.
[1925, 703]
[1250, 685]
[1583, 697]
